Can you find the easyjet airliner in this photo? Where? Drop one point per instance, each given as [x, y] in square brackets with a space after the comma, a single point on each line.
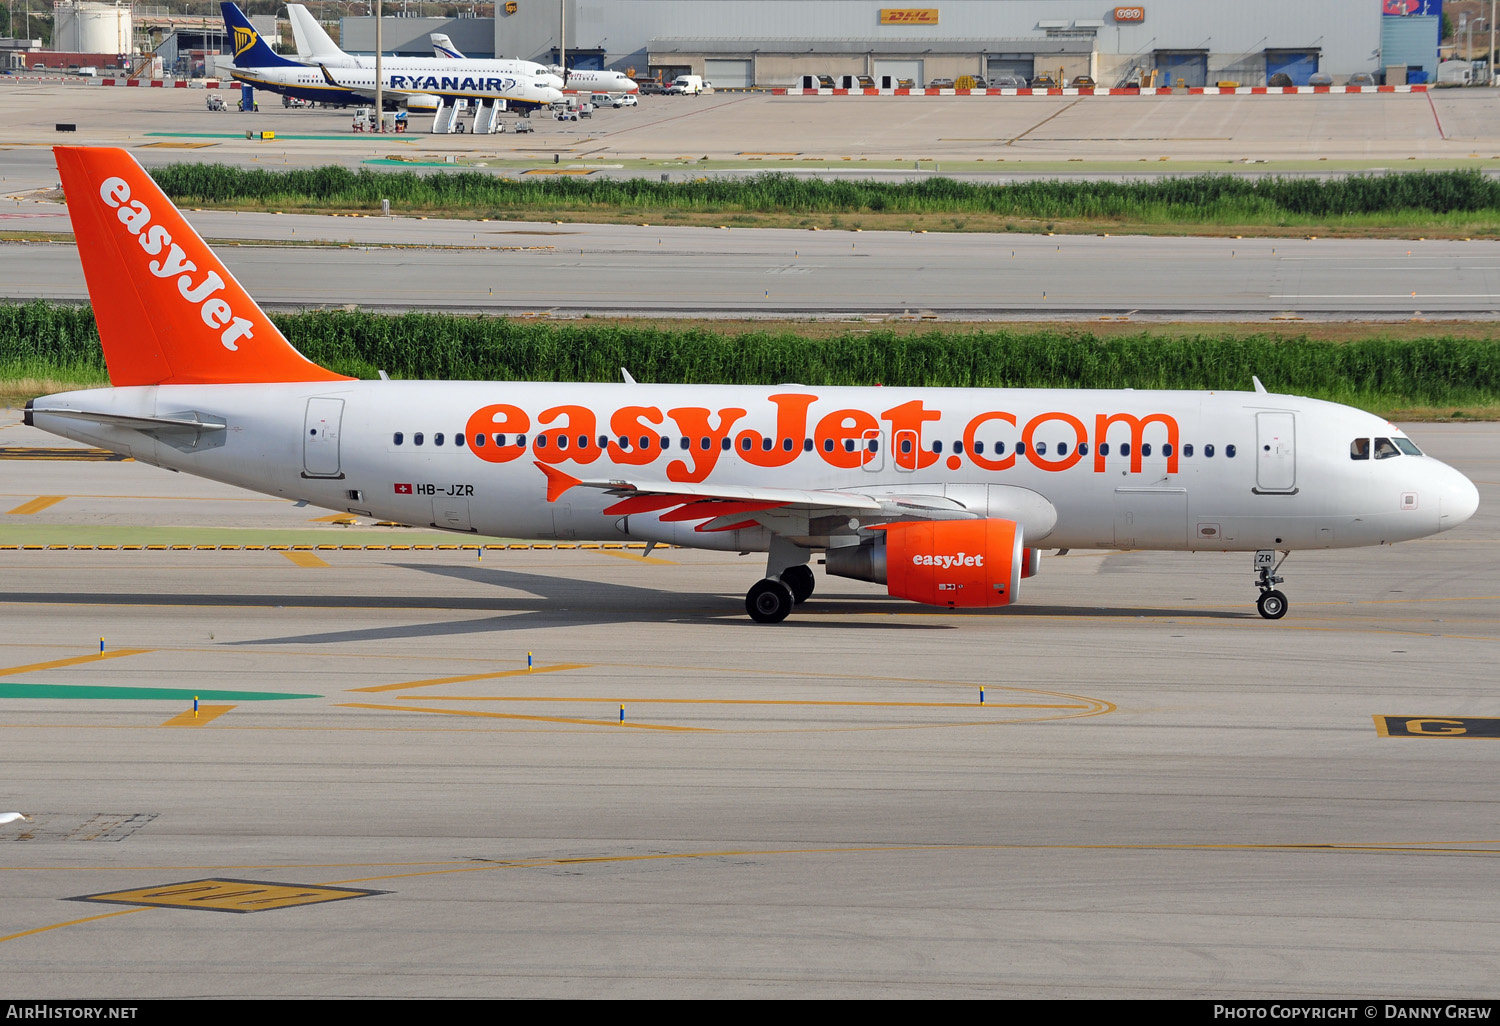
[942, 495]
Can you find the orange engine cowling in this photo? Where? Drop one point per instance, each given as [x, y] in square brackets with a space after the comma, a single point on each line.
[956, 562]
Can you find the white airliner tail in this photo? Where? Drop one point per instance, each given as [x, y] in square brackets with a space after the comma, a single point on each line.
[314, 45]
[442, 46]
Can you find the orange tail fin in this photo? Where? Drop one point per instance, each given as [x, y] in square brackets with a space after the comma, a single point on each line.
[169, 313]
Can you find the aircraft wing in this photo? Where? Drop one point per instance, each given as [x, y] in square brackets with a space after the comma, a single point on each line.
[727, 507]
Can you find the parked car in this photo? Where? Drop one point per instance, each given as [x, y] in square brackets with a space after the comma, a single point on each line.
[627, 100]
[1361, 78]
[652, 89]
[1082, 82]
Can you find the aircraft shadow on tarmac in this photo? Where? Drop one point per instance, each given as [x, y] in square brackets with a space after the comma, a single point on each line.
[564, 602]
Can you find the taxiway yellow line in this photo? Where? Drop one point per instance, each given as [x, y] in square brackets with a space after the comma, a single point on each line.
[36, 505]
[205, 714]
[304, 559]
[518, 716]
[552, 668]
[642, 559]
[71, 922]
[741, 701]
[74, 661]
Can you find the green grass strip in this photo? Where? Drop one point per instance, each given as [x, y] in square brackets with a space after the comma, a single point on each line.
[45, 341]
[111, 693]
[1198, 198]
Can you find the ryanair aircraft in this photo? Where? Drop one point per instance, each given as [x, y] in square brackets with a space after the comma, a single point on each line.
[422, 82]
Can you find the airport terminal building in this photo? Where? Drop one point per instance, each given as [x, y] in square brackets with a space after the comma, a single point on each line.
[770, 43]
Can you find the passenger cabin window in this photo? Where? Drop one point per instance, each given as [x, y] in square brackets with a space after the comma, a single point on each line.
[1359, 449]
[396, 438]
[1385, 449]
[437, 439]
[458, 440]
[1145, 448]
[416, 439]
[1208, 451]
[1040, 448]
[1229, 452]
[1187, 450]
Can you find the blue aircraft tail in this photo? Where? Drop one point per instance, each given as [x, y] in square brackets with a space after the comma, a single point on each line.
[250, 50]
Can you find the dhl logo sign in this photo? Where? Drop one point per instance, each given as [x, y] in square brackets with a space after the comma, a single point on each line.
[908, 16]
[848, 439]
[244, 39]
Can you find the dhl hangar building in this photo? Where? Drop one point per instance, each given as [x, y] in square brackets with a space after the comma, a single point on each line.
[770, 43]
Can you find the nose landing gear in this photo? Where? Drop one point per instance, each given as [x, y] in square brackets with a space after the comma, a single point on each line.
[1272, 603]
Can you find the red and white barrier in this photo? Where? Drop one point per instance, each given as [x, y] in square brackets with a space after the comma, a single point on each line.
[157, 83]
[1159, 91]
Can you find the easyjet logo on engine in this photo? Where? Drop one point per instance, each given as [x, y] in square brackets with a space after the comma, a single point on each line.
[153, 238]
[850, 439]
[962, 559]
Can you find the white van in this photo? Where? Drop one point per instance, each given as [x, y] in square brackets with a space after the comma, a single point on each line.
[689, 85]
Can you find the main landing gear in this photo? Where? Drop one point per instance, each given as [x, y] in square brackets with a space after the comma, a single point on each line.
[1272, 603]
[789, 582]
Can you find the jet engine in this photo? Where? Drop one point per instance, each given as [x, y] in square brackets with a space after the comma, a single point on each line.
[942, 562]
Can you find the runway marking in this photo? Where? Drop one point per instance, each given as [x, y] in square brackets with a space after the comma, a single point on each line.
[743, 701]
[39, 453]
[304, 559]
[1485, 727]
[204, 714]
[223, 895]
[70, 922]
[36, 505]
[550, 668]
[540, 719]
[74, 661]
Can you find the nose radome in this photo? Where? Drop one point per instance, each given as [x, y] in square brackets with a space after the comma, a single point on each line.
[1459, 501]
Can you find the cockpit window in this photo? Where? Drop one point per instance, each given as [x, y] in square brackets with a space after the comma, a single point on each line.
[1385, 449]
[1359, 449]
[1407, 446]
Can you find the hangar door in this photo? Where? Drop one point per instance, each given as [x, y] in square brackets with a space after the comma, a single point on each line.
[1187, 70]
[726, 74]
[1298, 65]
[1022, 65]
[897, 70]
[1411, 41]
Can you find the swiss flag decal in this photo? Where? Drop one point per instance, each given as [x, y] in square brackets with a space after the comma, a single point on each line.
[403, 489]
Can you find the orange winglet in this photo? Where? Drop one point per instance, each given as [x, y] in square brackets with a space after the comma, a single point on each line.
[557, 481]
[169, 312]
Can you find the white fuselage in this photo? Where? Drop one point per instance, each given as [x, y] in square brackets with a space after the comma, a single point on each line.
[452, 80]
[600, 82]
[1225, 471]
